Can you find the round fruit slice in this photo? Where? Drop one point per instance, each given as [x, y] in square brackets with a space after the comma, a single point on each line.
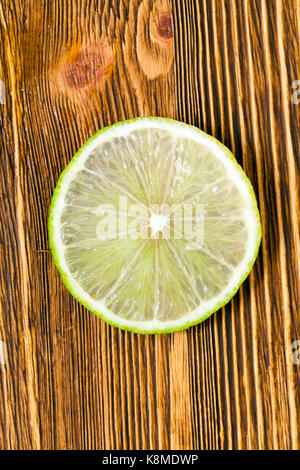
[153, 225]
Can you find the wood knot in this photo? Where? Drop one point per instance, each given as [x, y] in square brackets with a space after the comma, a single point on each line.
[165, 25]
[87, 68]
[154, 38]
[83, 70]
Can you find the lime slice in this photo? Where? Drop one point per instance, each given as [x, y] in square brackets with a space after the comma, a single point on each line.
[153, 225]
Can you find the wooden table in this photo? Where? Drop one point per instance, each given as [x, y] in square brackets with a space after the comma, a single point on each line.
[70, 68]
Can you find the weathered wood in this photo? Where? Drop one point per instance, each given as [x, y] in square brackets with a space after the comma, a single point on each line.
[71, 67]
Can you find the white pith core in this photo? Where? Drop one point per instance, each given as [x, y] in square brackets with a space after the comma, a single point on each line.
[157, 223]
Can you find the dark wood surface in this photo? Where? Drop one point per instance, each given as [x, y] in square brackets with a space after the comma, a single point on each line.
[71, 67]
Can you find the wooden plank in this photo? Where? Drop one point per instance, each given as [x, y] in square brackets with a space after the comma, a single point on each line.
[240, 91]
[70, 68]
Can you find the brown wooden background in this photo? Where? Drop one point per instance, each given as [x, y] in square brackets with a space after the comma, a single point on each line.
[71, 67]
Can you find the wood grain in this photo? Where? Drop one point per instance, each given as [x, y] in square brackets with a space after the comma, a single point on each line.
[70, 68]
